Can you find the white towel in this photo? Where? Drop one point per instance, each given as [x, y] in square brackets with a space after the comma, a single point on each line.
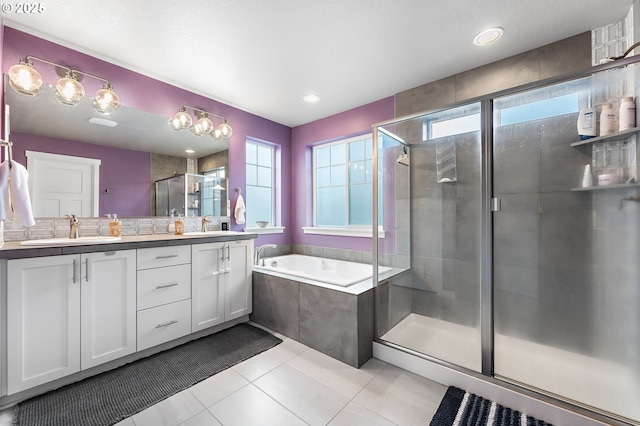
[239, 210]
[14, 195]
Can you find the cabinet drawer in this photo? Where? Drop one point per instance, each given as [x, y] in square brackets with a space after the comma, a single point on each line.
[156, 257]
[159, 286]
[163, 323]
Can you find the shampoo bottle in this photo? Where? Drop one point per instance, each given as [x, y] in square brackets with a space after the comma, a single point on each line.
[607, 120]
[587, 123]
[627, 113]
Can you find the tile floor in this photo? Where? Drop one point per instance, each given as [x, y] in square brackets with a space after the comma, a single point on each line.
[292, 384]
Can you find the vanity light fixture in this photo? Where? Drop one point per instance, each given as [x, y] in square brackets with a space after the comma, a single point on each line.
[26, 80]
[488, 36]
[202, 125]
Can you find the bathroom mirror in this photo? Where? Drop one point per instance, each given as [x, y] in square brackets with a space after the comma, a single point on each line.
[42, 117]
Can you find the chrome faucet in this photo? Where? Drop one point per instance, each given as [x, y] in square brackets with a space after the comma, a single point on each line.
[203, 228]
[259, 250]
[74, 226]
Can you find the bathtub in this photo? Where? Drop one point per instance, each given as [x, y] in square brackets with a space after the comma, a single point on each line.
[329, 271]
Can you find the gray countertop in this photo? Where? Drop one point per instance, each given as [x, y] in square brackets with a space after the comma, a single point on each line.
[13, 249]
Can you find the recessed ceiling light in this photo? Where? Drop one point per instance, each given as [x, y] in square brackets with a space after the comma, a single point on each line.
[488, 36]
[189, 151]
[311, 98]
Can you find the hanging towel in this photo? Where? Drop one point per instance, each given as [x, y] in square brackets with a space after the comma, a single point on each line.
[239, 210]
[14, 194]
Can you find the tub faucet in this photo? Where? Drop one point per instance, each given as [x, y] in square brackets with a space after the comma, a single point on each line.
[203, 228]
[74, 227]
[259, 250]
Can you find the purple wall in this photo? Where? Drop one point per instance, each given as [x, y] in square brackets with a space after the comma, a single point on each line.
[148, 94]
[349, 123]
[145, 93]
[125, 173]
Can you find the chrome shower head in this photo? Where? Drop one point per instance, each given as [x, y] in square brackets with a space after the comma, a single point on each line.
[403, 158]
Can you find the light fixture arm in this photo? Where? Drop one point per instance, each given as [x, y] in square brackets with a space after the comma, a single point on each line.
[73, 72]
[201, 111]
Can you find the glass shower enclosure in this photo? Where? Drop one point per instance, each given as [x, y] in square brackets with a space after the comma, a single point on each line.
[192, 195]
[522, 241]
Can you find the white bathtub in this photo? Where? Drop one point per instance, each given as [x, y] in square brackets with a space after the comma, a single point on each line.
[336, 272]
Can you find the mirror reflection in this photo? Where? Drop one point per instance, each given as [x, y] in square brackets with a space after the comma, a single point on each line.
[133, 149]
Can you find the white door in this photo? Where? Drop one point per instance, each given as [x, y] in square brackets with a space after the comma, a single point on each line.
[108, 307]
[238, 292]
[62, 184]
[208, 274]
[43, 327]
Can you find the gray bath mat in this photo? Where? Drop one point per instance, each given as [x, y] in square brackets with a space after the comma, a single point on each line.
[112, 396]
[463, 408]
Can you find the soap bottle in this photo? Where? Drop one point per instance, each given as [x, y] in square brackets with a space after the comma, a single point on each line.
[178, 225]
[607, 120]
[627, 113]
[587, 123]
[115, 226]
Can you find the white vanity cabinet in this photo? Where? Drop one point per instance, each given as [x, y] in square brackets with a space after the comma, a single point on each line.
[221, 282]
[67, 313]
[164, 294]
[107, 306]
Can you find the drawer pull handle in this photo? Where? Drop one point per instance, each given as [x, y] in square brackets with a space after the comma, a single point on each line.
[166, 324]
[166, 286]
[166, 257]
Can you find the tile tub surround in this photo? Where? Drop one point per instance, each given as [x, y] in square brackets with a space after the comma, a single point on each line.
[336, 323]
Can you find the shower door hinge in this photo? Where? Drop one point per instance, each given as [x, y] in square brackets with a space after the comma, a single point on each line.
[495, 204]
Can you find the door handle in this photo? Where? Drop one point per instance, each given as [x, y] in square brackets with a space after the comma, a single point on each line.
[166, 257]
[86, 263]
[74, 271]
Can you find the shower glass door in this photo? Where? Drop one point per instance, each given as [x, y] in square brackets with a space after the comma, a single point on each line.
[566, 250]
[436, 191]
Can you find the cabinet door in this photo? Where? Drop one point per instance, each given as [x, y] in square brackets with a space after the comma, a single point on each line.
[238, 284]
[108, 307]
[43, 327]
[208, 272]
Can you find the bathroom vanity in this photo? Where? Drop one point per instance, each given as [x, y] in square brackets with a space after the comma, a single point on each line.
[69, 312]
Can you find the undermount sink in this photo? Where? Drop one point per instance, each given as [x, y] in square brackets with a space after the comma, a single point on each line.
[70, 241]
[210, 233]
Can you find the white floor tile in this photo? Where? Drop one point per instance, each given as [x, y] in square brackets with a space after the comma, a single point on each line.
[356, 415]
[6, 417]
[402, 397]
[307, 398]
[335, 374]
[170, 412]
[251, 406]
[204, 418]
[218, 386]
[257, 366]
[288, 349]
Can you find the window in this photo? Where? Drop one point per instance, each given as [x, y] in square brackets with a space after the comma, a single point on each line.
[260, 197]
[343, 173]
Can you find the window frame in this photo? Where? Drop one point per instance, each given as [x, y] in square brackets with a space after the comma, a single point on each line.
[274, 225]
[354, 230]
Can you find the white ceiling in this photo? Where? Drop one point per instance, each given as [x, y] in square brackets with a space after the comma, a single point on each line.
[264, 56]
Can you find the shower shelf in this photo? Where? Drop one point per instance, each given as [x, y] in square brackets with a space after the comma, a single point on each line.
[603, 187]
[612, 137]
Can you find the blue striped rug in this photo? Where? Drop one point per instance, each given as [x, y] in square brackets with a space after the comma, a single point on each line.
[463, 408]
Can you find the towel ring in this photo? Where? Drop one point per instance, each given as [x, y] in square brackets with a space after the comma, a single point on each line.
[239, 190]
